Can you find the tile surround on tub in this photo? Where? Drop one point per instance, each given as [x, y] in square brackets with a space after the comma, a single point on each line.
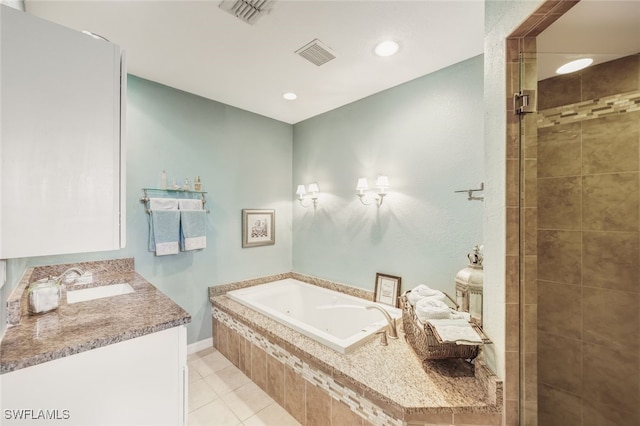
[239, 332]
[322, 381]
[223, 289]
[342, 288]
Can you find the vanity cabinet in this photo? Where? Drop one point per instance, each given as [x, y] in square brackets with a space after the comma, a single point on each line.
[62, 160]
[141, 381]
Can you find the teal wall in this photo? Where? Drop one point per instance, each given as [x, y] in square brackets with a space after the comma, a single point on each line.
[426, 135]
[244, 161]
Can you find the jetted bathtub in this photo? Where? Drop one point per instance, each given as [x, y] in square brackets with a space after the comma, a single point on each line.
[336, 320]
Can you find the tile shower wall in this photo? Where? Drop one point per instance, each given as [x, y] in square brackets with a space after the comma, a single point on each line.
[589, 247]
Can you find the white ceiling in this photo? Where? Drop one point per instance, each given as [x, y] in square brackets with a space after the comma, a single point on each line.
[601, 29]
[196, 47]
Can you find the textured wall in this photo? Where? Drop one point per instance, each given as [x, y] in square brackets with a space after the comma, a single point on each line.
[426, 135]
[244, 161]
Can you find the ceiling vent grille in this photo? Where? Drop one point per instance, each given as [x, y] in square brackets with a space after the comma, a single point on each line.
[316, 53]
[248, 11]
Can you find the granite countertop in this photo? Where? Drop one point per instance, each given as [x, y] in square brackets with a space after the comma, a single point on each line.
[392, 375]
[35, 339]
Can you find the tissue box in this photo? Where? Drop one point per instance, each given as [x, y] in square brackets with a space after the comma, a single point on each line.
[44, 296]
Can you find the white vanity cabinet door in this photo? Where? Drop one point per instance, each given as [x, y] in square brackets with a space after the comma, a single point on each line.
[61, 158]
[136, 382]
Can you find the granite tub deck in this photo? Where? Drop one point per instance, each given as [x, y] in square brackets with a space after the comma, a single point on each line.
[33, 339]
[381, 384]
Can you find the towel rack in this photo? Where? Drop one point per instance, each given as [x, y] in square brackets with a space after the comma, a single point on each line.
[180, 193]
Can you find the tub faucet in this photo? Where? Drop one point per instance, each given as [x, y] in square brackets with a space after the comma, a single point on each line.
[393, 333]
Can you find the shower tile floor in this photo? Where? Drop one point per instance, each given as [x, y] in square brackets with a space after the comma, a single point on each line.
[221, 395]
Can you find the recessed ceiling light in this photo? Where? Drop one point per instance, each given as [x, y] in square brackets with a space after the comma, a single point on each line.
[387, 48]
[290, 96]
[574, 66]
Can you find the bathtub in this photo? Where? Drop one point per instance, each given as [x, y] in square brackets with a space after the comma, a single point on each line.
[336, 320]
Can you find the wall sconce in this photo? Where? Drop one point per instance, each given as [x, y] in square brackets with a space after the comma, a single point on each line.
[367, 196]
[311, 194]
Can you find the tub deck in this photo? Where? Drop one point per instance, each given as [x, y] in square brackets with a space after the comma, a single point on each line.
[390, 376]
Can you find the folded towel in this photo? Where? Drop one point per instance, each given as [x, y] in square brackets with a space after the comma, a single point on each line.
[429, 308]
[422, 291]
[193, 227]
[163, 204]
[190, 204]
[413, 298]
[456, 331]
[461, 315]
[164, 232]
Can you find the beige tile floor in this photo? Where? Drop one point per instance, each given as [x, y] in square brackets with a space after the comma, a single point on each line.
[221, 395]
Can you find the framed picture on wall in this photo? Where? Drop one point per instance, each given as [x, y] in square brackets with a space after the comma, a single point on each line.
[387, 289]
[258, 227]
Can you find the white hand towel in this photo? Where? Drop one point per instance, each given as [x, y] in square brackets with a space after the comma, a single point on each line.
[429, 308]
[461, 315]
[413, 298]
[456, 331]
[425, 291]
[421, 291]
[190, 204]
[163, 204]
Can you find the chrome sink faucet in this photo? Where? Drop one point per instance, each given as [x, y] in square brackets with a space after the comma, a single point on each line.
[68, 271]
[393, 333]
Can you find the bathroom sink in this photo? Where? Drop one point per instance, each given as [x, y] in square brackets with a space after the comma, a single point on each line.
[75, 296]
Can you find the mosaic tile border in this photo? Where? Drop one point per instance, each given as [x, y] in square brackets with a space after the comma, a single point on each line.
[590, 110]
[358, 404]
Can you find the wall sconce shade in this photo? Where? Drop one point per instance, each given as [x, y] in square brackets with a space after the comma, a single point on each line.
[367, 196]
[382, 182]
[313, 188]
[363, 185]
[311, 195]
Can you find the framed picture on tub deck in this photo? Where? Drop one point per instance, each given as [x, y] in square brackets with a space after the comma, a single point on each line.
[258, 227]
[387, 289]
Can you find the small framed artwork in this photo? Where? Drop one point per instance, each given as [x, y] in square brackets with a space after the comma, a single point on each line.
[258, 227]
[387, 289]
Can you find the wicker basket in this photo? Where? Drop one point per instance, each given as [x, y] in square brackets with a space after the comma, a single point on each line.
[425, 341]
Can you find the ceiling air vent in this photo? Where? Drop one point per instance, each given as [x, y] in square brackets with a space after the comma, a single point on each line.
[316, 53]
[248, 11]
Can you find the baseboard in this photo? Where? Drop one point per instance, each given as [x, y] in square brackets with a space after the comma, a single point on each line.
[198, 346]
